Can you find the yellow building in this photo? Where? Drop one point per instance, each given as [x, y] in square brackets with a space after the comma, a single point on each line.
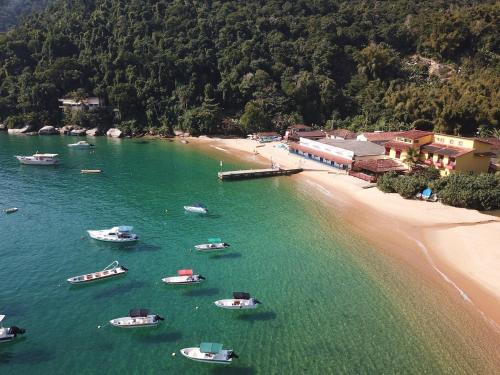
[403, 141]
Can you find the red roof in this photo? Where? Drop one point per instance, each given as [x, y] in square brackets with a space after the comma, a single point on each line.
[414, 134]
[439, 148]
[299, 126]
[398, 145]
[380, 136]
[312, 134]
[379, 165]
[342, 133]
[321, 154]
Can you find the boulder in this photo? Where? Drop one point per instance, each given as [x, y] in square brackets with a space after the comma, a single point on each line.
[48, 130]
[78, 132]
[94, 132]
[3, 127]
[24, 130]
[66, 129]
[114, 133]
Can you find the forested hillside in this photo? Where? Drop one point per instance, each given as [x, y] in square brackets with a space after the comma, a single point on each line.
[229, 66]
[12, 10]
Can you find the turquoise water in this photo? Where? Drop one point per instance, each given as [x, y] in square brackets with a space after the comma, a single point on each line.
[322, 313]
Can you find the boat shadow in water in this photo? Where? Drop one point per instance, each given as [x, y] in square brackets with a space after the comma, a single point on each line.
[145, 247]
[160, 338]
[226, 256]
[233, 370]
[120, 289]
[206, 292]
[30, 357]
[260, 316]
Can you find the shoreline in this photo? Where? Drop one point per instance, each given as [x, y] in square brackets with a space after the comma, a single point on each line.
[457, 245]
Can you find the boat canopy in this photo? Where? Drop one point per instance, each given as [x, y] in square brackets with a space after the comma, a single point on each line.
[124, 228]
[2, 317]
[241, 295]
[46, 155]
[199, 204]
[138, 312]
[185, 272]
[210, 347]
[214, 240]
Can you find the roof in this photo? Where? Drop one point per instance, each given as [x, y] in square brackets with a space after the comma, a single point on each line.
[439, 148]
[360, 148]
[299, 126]
[138, 312]
[321, 154]
[312, 134]
[214, 240]
[414, 134]
[241, 295]
[379, 165]
[398, 145]
[210, 347]
[342, 133]
[124, 228]
[2, 317]
[46, 155]
[185, 272]
[380, 136]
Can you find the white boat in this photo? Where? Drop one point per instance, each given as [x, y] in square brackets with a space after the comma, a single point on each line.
[10, 210]
[184, 277]
[197, 207]
[213, 244]
[240, 300]
[137, 318]
[39, 159]
[10, 333]
[210, 352]
[115, 234]
[113, 269]
[81, 144]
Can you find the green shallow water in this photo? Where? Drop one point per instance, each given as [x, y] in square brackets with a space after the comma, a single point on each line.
[322, 312]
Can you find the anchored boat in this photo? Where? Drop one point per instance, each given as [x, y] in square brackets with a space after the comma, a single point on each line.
[115, 234]
[112, 270]
[81, 144]
[197, 207]
[184, 277]
[209, 352]
[212, 245]
[39, 159]
[240, 300]
[10, 210]
[137, 318]
[10, 333]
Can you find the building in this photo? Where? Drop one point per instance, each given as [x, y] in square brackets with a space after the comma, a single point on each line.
[377, 137]
[403, 141]
[340, 134]
[80, 105]
[338, 153]
[313, 134]
[370, 169]
[293, 130]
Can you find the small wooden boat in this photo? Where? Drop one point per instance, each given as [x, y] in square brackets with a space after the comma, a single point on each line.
[10, 333]
[10, 210]
[213, 244]
[209, 352]
[112, 270]
[240, 300]
[90, 171]
[137, 318]
[184, 277]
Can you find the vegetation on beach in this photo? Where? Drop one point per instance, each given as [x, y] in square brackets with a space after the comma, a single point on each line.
[238, 67]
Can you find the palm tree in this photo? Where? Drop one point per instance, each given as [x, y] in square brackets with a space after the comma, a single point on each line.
[411, 157]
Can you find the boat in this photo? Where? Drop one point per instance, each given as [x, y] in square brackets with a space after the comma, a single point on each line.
[197, 207]
[10, 210]
[10, 333]
[112, 270]
[39, 159]
[116, 234]
[90, 171]
[137, 318]
[240, 300]
[81, 144]
[210, 352]
[184, 277]
[213, 244]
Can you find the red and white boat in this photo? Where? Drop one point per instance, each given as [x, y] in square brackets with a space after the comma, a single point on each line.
[184, 277]
[112, 270]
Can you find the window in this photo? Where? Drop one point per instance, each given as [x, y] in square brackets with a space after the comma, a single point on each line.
[387, 150]
[398, 154]
[460, 143]
[452, 141]
[431, 155]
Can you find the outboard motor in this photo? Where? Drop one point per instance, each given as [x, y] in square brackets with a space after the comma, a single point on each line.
[257, 301]
[16, 331]
[158, 317]
[233, 355]
[124, 268]
[201, 277]
[226, 244]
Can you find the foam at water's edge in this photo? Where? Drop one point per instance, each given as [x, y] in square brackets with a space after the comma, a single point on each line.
[219, 148]
[445, 277]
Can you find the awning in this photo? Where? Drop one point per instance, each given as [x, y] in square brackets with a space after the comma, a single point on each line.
[138, 312]
[320, 154]
[210, 347]
[241, 295]
[185, 272]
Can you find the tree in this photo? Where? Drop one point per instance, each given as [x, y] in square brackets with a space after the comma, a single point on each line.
[411, 158]
[255, 118]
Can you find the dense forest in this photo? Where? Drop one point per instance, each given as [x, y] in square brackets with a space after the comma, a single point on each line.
[236, 67]
[11, 11]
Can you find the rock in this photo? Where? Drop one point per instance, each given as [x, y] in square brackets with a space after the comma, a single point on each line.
[48, 130]
[114, 133]
[94, 132]
[178, 132]
[3, 127]
[78, 132]
[24, 130]
[66, 129]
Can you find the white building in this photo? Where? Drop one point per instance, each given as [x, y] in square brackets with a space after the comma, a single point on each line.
[79, 105]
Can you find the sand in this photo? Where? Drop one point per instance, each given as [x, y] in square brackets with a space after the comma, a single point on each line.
[461, 246]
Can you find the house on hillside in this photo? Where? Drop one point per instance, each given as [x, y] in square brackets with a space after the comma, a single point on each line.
[341, 134]
[295, 129]
[80, 105]
[398, 147]
[312, 134]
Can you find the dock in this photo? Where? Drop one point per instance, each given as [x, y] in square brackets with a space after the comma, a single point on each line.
[257, 173]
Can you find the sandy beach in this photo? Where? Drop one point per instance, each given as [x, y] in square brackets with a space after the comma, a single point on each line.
[459, 246]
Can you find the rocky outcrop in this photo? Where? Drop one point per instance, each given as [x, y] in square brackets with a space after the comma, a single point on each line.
[24, 130]
[66, 129]
[94, 132]
[48, 130]
[114, 133]
[78, 132]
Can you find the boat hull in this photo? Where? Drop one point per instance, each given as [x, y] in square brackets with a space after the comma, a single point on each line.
[100, 236]
[84, 279]
[31, 161]
[138, 322]
[181, 280]
[198, 210]
[194, 354]
[211, 247]
[236, 304]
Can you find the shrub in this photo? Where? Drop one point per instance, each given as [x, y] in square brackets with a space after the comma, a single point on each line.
[387, 182]
[409, 186]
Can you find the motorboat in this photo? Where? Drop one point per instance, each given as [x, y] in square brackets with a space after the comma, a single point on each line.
[10, 210]
[210, 352]
[137, 318]
[10, 333]
[184, 277]
[213, 244]
[199, 208]
[39, 159]
[240, 300]
[116, 234]
[112, 270]
[81, 144]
